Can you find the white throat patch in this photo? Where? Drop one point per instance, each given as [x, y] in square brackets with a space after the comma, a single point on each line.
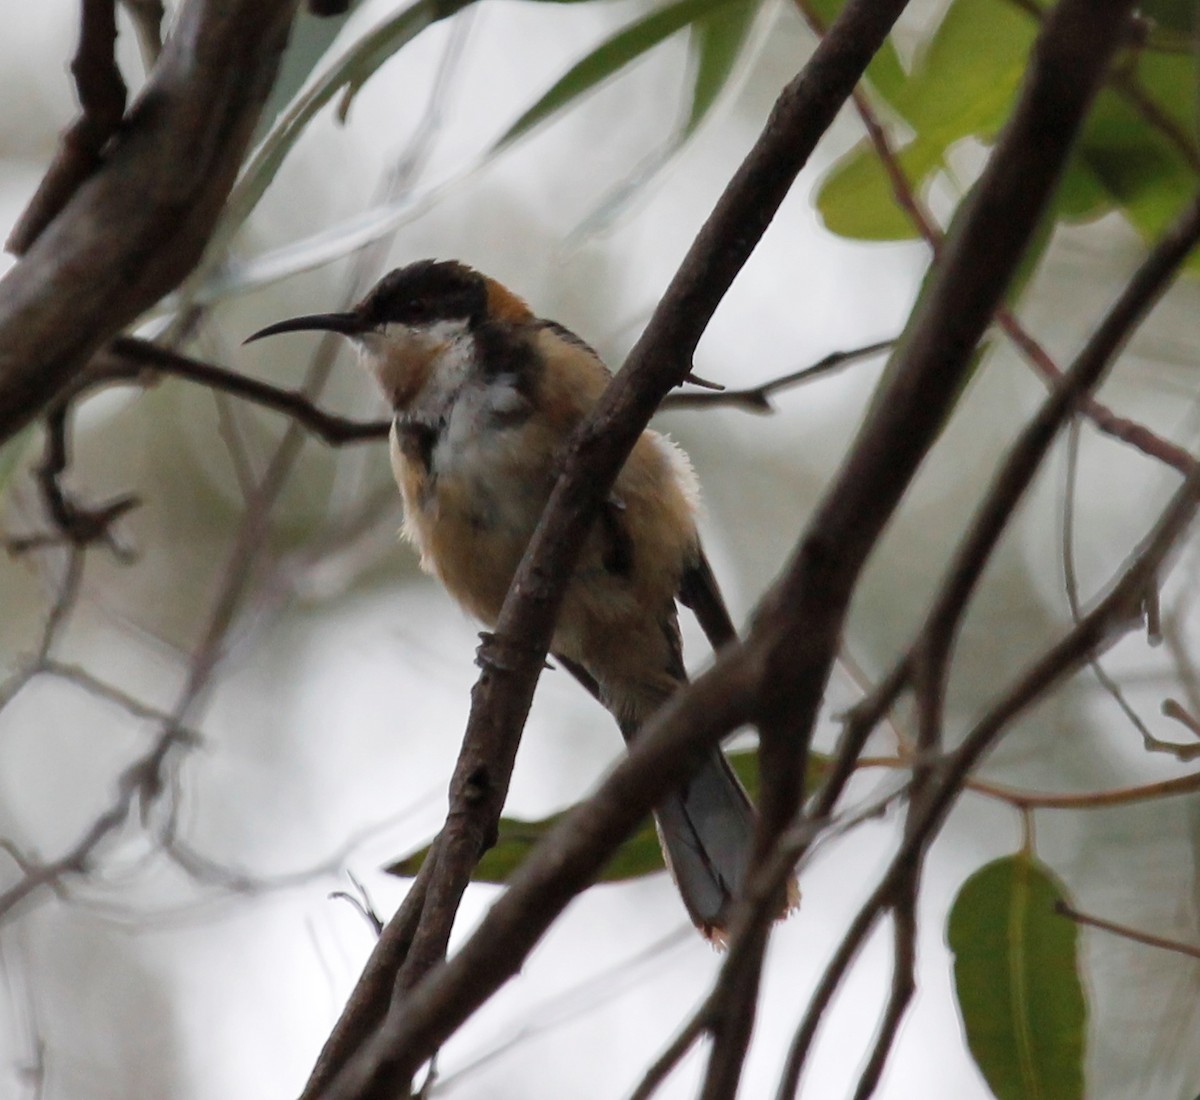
[419, 365]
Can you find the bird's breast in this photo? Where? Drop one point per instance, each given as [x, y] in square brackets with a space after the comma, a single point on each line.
[474, 483]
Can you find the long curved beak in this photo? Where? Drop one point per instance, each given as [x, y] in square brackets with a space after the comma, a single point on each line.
[348, 324]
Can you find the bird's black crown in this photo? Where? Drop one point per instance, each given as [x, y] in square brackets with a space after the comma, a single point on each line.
[425, 292]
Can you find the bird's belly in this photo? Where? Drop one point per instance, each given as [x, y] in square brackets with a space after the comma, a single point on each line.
[471, 514]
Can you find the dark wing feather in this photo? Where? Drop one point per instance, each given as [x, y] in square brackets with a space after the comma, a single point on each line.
[581, 674]
[698, 591]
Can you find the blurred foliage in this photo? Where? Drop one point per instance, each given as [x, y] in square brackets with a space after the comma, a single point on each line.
[717, 28]
[1138, 152]
[1016, 975]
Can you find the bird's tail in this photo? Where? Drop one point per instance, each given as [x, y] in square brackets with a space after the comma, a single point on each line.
[707, 832]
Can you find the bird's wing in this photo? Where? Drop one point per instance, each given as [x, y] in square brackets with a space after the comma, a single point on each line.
[581, 674]
[698, 591]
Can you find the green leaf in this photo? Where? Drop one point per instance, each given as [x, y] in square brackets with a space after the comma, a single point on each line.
[1016, 975]
[347, 74]
[716, 42]
[611, 56]
[963, 85]
[964, 82]
[1140, 169]
[1174, 15]
[856, 199]
[640, 855]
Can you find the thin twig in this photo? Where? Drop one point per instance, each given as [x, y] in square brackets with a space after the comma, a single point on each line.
[904, 985]
[1060, 800]
[757, 399]
[134, 356]
[57, 617]
[1071, 585]
[79, 526]
[1101, 626]
[101, 92]
[864, 921]
[1127, 933]
[140, 783]
[934, 641]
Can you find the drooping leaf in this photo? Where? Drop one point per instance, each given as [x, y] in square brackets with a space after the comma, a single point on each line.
[640, 855]
[716, 42]
[1016, 977]
[347, 73]
[611, 56]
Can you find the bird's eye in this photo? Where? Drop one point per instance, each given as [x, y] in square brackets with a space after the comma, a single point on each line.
[418, 307]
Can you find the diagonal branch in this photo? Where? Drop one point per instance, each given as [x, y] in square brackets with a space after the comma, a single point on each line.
[659, 361]
[931, 650]
[974, 267]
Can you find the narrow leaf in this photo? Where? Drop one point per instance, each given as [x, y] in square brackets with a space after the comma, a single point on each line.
[717, 41]
[1016, 975]
[350, 71]
[610, 57]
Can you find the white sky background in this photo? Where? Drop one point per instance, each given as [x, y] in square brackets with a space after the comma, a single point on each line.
[335, 720]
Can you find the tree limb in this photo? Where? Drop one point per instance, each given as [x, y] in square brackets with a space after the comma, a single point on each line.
[659, 361]
[139, 223]
[101, 92]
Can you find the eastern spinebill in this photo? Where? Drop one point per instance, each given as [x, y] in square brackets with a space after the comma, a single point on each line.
[484, 395]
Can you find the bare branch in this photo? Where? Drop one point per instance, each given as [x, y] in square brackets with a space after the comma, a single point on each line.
[135, 357]
[1060, 800]
[1127, 933]
[904, 985]
[757, 399]
[141, 220]
[148, 16]
[101, 93]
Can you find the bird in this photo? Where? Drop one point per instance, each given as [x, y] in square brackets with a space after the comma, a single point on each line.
[484, 394]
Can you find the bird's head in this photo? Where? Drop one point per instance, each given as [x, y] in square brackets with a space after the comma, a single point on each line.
[412, 318]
